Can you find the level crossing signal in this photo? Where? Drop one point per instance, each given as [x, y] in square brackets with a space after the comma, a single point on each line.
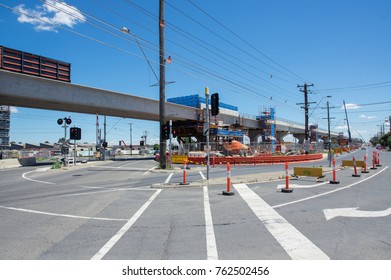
[75, 133]
[215, 104]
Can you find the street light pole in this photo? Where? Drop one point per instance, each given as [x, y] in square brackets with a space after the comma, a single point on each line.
[162, 86]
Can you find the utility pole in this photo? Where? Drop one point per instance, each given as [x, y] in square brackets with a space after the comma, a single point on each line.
[162, 87]
[306, 106]
[347, 121]
[104, 138]
[329, 132]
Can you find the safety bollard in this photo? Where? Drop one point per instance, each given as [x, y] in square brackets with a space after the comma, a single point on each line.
[378, 160]
[287, 189]
[365, 165]
[373, 161]
[334, 181]
[355, 168]
[184, 174]
[228, 191]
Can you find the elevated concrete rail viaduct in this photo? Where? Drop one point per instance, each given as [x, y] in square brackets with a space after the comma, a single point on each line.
[34, 92]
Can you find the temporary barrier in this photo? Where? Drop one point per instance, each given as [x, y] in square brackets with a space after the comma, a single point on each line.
[308, 171]
[350, 163]
[261, 159]
[179, 158]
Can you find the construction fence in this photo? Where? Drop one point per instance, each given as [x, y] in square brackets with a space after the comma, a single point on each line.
[235, 148]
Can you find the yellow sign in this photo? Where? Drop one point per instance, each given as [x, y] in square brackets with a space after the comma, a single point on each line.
[359, 163]
[308, 171]
[179, 158]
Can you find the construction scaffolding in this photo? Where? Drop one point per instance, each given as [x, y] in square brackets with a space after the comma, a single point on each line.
[5, 114]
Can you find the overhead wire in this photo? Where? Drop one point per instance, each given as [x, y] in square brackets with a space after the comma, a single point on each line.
[227, 80]
[201, 42]
[244, 40]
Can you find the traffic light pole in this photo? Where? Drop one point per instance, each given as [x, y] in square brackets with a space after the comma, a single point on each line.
[206, 132]
[170, 143]
[74, 152]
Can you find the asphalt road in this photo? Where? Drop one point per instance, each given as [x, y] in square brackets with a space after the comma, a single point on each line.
[110, 211]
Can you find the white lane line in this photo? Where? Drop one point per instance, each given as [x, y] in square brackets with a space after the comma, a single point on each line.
[146, 172]
[168, 178]
[37, 181]
[333, 191]
[202, 175]
[60, 215]
[210, 234]
[147, 188]
[292, 240]
[110, 244]
[122, 168]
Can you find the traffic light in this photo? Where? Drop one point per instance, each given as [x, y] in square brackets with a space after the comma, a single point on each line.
[165, 131]
[75, 133]
[174, 133]
[215, 104]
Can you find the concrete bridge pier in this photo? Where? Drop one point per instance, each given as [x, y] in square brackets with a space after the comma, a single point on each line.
[300, 137]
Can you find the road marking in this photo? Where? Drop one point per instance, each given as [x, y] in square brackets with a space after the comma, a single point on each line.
[354, 213]
[202, 175]
[329, 192]
[168, 178]
[210, 234]
[292, 240]
[123, 168]
[60, 215]
[107, 190]
[146, 172]
[110, 244]
[295, 186]
[37, 181]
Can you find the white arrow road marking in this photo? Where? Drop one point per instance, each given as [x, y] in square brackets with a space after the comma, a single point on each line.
[353, 212]
[297, 246]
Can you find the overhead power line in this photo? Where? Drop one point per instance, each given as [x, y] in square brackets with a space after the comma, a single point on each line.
[246, 42]
[359, 87]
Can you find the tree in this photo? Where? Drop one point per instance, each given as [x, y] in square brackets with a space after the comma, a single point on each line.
[385, 141]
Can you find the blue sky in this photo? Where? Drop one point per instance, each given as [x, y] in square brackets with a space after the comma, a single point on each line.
[253, 52]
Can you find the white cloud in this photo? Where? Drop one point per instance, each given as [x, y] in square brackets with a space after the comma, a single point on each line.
[351, 106]
[50, 15]
[341, 127]
[367, 117]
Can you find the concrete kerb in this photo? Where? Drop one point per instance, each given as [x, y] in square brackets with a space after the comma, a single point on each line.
[9, 163]
[222, 181]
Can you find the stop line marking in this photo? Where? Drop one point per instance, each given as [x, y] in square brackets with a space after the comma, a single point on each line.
[297, 246]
